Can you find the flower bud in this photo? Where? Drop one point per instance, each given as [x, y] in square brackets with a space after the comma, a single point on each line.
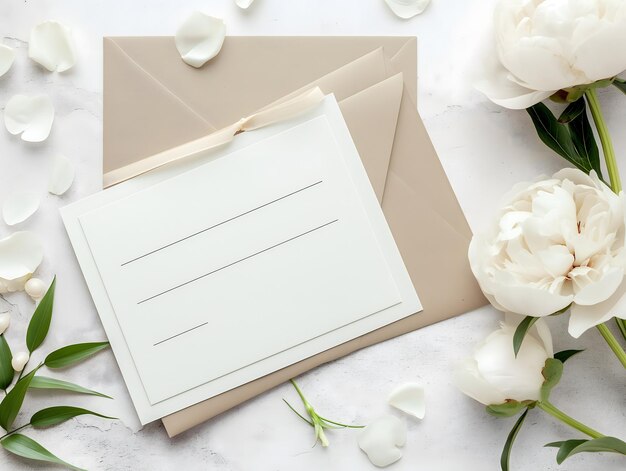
[19, 361]
[35, 288]
[5, 321]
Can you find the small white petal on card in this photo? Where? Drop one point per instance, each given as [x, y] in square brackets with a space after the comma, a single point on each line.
[199, 39]
[243, 3]
[61, 175]
[407, 8]
[381, 440]
[409, 398]
[18, 207]
[32, 116]
[52, 46]
[7, 56]
[21, 254]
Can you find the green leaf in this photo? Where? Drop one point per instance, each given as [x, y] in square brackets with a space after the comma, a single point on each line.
[40, 322]
[552, 372]
[597, 445]
[6, 370]
[520, 332]
[570, 140]
[43, 382]
[620, 84]
[59, 414]
[508, 445]
[584, 140]
[12, 402]
[572, 111]
[553, 134]
[509, 408]
[565, 447]
[25, 447]
[72, 354]
[566, 355]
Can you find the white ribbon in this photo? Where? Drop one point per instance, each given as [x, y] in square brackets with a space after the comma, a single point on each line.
[271, 115]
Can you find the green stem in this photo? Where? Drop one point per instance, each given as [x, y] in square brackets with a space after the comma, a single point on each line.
[14, 431]
[613, 343]
[605, 139]
[563, 417]
[621, 325]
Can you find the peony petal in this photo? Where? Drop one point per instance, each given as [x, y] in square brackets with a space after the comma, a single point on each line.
[32, 116]
[538, 63]
[602, 289]
[20, 255]
[576, 176]
[543, 333]
[244, 3]
[596, 56]
[469, 381]
[61, 175]
[497, 85]
[19, 207]
[409, 398]
[407, 8]
[200, 38]
[583, 318]
[51, 45]
[7, 56]
[380, 440]
[530, 301]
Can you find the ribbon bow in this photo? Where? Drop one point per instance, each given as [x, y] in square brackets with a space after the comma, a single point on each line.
[273, 114]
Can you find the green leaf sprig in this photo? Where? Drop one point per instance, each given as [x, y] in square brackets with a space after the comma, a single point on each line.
[316, 421]
[10, 406]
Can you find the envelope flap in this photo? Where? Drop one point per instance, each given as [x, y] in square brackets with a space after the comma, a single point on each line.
[142, 117]
[250, 71]
[372, 117]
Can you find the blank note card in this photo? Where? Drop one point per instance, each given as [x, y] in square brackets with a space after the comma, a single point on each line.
[248, 263]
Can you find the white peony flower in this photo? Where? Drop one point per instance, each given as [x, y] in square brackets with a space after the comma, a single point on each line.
[494, 375]
[543, 46]
[557, 242]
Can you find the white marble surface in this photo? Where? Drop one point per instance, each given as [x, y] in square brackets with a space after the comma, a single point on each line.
[484, 149]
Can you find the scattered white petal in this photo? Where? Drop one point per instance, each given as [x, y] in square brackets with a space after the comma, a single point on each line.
[200, 38]
[409, 398]
[7, 56]
[407, 8]
[244, 3]
[19, 361]
[19, 207]
[30, 115]
[35, 288]
[5, 321]
[380, 440]
[61, 175]
[52, 46]
[20, 255]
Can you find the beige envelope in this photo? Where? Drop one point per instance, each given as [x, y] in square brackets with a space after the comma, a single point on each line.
[152, 103]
